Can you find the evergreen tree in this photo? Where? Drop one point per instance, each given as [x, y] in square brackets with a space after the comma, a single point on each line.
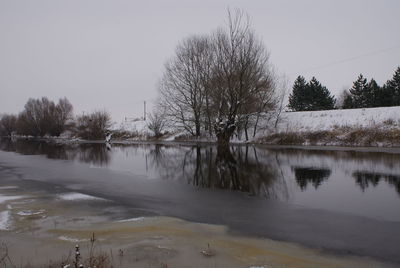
[392, 88]
[359, 92]
[385, 96]
[310, 96]
[321, 98]
[372, 94]
[299, 96]
[348, 102]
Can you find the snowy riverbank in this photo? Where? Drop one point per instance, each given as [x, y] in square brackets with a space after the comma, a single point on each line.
[354, 127]
[375, 127]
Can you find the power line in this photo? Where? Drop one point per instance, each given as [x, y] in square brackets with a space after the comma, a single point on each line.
[350, 59]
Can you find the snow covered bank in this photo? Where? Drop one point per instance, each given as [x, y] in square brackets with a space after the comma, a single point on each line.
[351, 127]
[354, 127]
[386, 117]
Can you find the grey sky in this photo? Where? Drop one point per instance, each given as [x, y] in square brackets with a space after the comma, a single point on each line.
[110, 54]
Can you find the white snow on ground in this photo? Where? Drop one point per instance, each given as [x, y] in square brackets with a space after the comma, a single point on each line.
[5, 220]
[384, 117]
[138, 126]
[78, 196]
[329, 120]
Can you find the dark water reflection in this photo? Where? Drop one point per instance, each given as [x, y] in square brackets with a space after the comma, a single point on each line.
[237, 169]
[363, 183]
[95, 153]
[310, 175]
[367, 179]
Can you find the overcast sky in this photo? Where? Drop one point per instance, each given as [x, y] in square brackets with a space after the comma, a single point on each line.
[110, 54]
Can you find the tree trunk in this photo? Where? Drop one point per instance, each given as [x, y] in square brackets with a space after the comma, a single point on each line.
[245, 128]
[198, 128]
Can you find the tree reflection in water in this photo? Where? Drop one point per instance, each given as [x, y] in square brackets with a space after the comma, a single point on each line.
[236, 168]
[92, 153]
[311, 175]
[365, 179]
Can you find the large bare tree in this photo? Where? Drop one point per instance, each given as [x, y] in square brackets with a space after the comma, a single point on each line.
[184, 83]
[219, 81]
[242, 74]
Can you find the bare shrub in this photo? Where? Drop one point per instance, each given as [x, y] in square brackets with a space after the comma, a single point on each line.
[8, 124]
[93, 126]
[156, 123]
[389, 122]
[60, 117]
[42, 117]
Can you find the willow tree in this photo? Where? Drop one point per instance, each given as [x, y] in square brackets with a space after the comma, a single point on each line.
[218, 81]
[184, 86]
[242, 75]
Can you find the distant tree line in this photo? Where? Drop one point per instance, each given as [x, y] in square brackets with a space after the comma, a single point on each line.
[42, 117]
[312, 96]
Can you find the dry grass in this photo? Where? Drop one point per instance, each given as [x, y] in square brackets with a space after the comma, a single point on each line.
[123, 135]
[289, 138]
[94, 258]
[341, 136]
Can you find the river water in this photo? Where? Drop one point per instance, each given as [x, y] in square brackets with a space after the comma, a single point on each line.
[337, 199]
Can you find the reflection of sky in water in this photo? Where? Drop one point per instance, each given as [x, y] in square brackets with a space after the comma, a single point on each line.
[360, 183]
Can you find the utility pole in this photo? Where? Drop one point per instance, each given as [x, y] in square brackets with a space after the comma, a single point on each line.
[144, 108]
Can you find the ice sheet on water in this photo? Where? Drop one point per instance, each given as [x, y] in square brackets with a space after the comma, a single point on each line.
[8, 187]
[4, 198]
[78, 196]
[30, 212]
[71, 239]
[5, 220]
[132, 219]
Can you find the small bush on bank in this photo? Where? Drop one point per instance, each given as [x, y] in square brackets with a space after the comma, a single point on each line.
[93, 126]
[8, 125]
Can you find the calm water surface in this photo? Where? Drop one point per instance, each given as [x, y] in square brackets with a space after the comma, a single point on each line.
[360, 183]
[344, 201]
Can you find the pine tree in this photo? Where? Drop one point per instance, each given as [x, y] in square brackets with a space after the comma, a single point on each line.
[298, 97]
[372, 94]
[310, 96]
[348, 102]
[385, 96]
[358, 92]
[392, 87]
[320, 96]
